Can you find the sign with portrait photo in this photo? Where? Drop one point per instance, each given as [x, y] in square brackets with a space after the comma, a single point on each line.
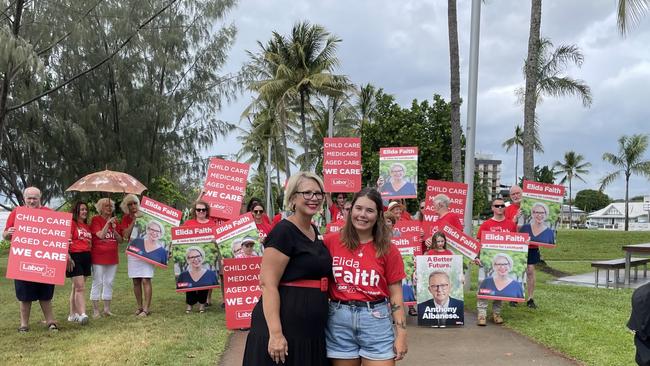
[241, 281]
[398, 172]
[152, 233]
[541, 207]
[225, 187]
[406, 237]
[504, 257]
[195, 255]
[39, 246]
[440, 291]
[239, 238]
[342, 164]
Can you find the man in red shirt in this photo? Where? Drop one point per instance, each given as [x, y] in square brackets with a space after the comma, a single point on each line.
[445, 217]
[336, 226]
[27, 291]
[336, 208]
[512, 211]
[497, 223]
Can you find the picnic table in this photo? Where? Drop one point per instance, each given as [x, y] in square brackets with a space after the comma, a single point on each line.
[637, 249]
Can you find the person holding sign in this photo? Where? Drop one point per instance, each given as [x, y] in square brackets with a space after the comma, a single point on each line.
[438, 245]
[261, 220]
[512, 211]
[497, 223]
[246, 250]
[79, 262]
[104, 255]
[288, 323]
[441, 309]
[150, 245]
[501, 283]
[27, 291]
[539, 233]
[196, 276]
[367, 288]
[397, 185]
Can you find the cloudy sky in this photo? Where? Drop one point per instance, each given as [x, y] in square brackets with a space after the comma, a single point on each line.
[402, 46]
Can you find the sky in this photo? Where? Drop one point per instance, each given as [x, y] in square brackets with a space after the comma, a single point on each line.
[402, 47]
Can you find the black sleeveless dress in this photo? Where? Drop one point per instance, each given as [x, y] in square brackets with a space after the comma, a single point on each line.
[303, 311]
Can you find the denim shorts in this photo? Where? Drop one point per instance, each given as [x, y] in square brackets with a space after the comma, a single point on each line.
[360, 331]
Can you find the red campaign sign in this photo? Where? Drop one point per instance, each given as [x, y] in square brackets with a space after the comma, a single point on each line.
[242, 290]
[342, 164]
[233, 227]
[161, 211]
[192, 234]
[407, 237]
[462, 242]
[457, 193]
[551, 192]
[225, 187]
[39, 246]
[398, 152]
[489, 239]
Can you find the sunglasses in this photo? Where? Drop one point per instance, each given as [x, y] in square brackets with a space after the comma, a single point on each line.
[258, 211]
[499, 206]
[201, 209]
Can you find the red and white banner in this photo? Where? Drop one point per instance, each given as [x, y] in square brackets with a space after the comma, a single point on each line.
[39, 246]
[225, 187]
[407, 237]
[241, 279]
[503, 257]
[195, 258]
[543, 191]
[161, 211]
[457, 193]
[192, 234]
[463, 243]
[342, 164]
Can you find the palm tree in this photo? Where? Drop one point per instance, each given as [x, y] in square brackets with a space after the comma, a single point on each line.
[532, 76]
[628, 161]
[629, 13]
[454, 83]
[548, 66]
[571, 167]
[518, 140]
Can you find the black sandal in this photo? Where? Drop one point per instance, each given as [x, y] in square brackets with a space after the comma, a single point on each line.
[23, 329]
[52, 327]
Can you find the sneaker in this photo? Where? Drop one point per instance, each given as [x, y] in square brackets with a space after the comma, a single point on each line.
[73, 318]
[497, 319]
[482, 321]
[531, 304]
[513, 304]
[83, 319]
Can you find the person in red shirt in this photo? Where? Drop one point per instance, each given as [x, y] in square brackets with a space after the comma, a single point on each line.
[368, 272]
[27, 291]
[263, 226]
[445, 217]
[439, 245]
[103, 254]
[512, 211]
[336, 207]
[79, 264]
[497, 223]
[336, 226]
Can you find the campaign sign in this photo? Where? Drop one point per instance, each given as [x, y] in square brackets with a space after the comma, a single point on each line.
[407, 238]
[225, 187]
[440, 297]
[541, 207]
[398, 172]
[241, 281]
[195, 255]
[239, 238]
[461, 242]
[504, 258]
[457, 193]
[342, 164]
[151, 236]
[39, 246]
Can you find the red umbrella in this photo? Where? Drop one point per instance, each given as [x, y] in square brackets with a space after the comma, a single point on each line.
[108, 181]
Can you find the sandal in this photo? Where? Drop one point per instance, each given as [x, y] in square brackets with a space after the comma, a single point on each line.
[23, 329]
[144, 313]
[138, 311]
[52, 327]
[412, 311]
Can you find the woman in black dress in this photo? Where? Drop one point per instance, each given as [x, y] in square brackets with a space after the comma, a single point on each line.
[288, 323]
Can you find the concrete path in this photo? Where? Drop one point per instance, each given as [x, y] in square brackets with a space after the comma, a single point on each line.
[468, 345]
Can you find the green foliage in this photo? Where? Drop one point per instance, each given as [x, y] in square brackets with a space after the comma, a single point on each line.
[425, 125]
[590, 200]
[481, 203]
[164, 190]
[409, 264]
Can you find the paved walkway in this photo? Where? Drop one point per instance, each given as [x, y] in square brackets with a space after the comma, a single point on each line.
[468, 345]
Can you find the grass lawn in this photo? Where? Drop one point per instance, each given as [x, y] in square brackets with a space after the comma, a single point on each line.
[167, 337]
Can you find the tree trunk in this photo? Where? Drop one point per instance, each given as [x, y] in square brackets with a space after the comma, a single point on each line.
[303, 123]
[286, 151]
[570, 207]
[454, 65]
[530, 100]
[627, 192]
[516, 163]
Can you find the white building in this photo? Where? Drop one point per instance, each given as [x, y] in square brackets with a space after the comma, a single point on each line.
[613, 216]
[577, 215]
[488, 170]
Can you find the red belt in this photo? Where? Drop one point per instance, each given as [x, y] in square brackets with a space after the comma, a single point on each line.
[321, 284]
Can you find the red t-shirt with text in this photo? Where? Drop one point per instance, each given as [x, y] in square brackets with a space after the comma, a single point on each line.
[81, 237]
[334, 226]
[359, 274]
[492, 225]
[336, 213]
[263, 229]
[103, 251]
[511, 211]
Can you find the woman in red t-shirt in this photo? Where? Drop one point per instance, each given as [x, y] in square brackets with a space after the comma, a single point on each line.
[263, 226]
[437, 245]
[79, 265]
[104, 255]
[367, 288]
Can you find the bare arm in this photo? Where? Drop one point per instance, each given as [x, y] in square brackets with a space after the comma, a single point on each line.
[274, 263]
[8, 233]
[397, 307]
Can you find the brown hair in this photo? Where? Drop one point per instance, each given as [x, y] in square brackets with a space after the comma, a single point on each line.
[199, 202]
[380, 232]
[436, 235]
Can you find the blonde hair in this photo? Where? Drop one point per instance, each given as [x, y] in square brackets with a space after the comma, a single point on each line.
[101, 202]
[294, 182]
[124, 206]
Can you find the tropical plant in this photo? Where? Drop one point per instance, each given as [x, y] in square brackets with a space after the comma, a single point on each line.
[571, 168]
[366, 104]
[518, 140]
[629, 12]
[628, 161]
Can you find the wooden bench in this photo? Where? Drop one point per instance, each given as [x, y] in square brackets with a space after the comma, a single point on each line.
[616, 265]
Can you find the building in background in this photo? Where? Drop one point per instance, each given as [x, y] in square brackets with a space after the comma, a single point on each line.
[489, 172]
[613, 216]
